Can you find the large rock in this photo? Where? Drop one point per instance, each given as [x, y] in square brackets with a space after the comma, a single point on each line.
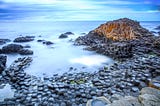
[12, 48]
[118, 38]
[3, 60]
[121, 30]
[15, 48]
[65, 35]
[24, 39]
[149, 97]
[126, 101]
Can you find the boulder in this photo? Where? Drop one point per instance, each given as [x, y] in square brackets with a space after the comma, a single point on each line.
[149, 97]
[12, 48]
[24, 39]
[62, 36]
[65, 35]
[3, 41]
[126, 101]
[69, 33]
[3, 60]
[15, 48]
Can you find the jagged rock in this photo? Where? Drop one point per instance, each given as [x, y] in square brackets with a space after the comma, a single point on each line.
[3, 41]
[121, 30]
[24, 39]
[149, 97]
[3, 60]
[12, 48]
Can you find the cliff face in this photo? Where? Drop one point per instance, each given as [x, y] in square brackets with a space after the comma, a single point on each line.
[121, 30]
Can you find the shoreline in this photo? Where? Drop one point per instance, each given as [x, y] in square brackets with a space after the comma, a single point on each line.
[124, 78]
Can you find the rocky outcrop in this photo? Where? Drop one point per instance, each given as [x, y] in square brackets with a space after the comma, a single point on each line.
[65, 35]
[15, 48]
[118, 39]
[121, 30]
[24, 39]
[148, 97]
[3, 60]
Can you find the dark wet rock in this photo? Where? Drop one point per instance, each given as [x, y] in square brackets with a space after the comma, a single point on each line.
[48, 42]
[40, 40]
[69, 33]
[65, 35]
[157, 28]
[3, 60]
[24, 39]
[62, 36]
[4, 41]
[15, 48]
[45, 42]
[25, 52]
[12, 48]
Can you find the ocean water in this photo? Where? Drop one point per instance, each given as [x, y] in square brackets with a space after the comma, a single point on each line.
[62, 56]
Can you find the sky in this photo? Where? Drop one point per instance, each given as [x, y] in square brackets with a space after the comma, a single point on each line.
[80, 10]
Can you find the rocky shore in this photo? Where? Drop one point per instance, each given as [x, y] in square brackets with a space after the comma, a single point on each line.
[130, 78]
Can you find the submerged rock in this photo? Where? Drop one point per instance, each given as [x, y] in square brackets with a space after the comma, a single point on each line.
[24, 39]
[3, 41]
[25, 52]
[158, 27]
[65, 35]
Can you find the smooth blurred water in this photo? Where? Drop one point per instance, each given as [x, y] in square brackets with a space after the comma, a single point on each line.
[62, 56]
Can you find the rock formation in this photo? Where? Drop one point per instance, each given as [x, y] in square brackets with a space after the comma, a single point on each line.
[121, 30]
[116, 38]
[15, 48]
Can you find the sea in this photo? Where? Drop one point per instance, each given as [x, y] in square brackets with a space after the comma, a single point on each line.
[63, 56]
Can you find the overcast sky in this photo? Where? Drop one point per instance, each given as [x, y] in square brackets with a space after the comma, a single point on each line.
[69, 10]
